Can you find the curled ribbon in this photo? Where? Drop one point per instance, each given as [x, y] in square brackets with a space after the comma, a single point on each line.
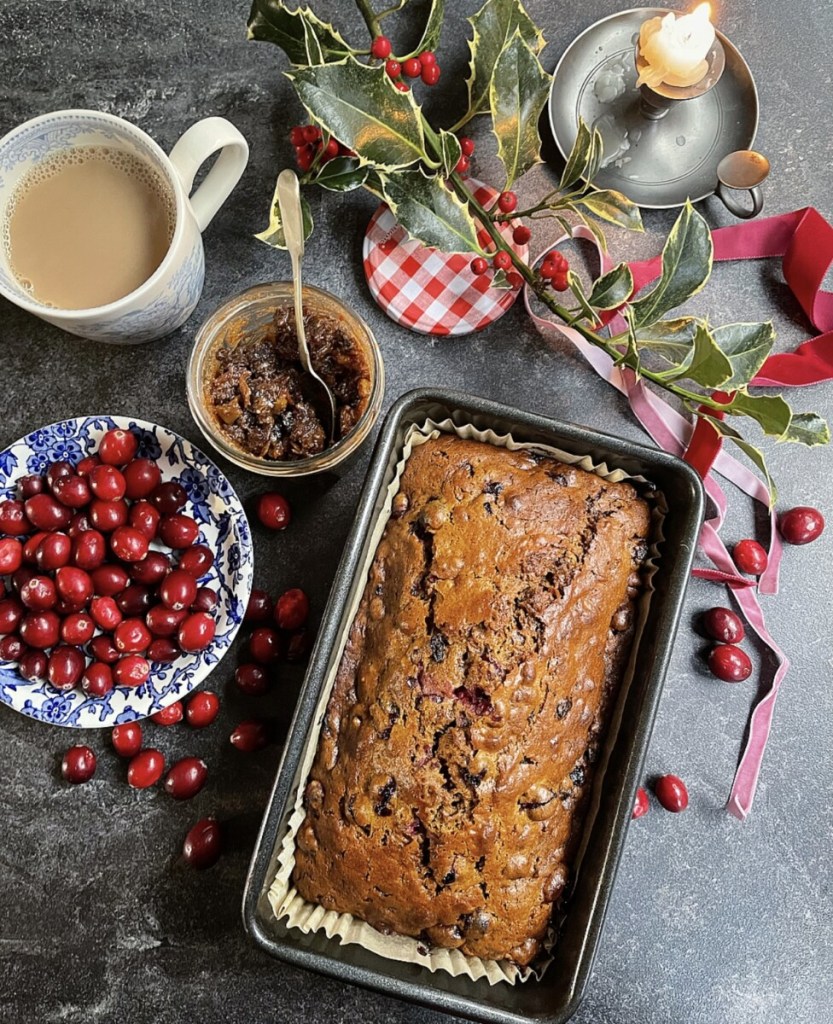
[804, 240]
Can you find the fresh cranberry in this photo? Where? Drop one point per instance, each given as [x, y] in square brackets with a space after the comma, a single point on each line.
[29, 486]
[128, 544]
[144, 517]
[479, 266]
[259, 608]
[131, 636]
[521, 235]
[11, 614]
[151, 569]
[107, 483]
[34, 665]
[78, 765]
[750, 557]
[393, 68]
[146, 768]
[164, 622]
[264, 645]
[186, 778]
[292, 609]
[40, 629]
[169, 498]
[30, 547]
[97, 679]
[13, 517]
[11, 555]
[430, 74]
[205, 600]
[730, 663]
[801, 525]
[163, 650]
[44, 513]
[672, 793]
[132, 670]
[21, 578]
[196, 560]
[66, 665]
[53, 552]
[57, 470]
[135, 600]
[141, 477]
[118, 447]
[203, 844]
[12, 648]
[103, 649]
[127, 739]
[72, 491]
[178, 590]
[170, 715]
[412, 67]
[109, 580]
[273, 511]
[202, 709]
[380, 48]
[196, 632]
[107, 516]
[105, 613]
[299, 645]
[77, 628]
[87, 465]
[640, 804]
[722, 624]
[74, 585]
[249, 736]
[80, 523]
[178, 531]
[89, 550]
[251, 679]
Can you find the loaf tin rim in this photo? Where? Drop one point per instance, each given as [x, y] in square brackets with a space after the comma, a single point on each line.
[386, 976]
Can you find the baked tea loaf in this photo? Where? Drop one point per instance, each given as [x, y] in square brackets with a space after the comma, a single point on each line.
[446, 794]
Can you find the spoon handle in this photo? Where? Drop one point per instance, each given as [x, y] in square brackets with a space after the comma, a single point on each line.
[289, 201]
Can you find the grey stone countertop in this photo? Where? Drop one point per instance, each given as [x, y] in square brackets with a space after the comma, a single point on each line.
[711, 921]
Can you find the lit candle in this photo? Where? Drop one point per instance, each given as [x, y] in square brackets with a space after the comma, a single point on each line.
[674, 50]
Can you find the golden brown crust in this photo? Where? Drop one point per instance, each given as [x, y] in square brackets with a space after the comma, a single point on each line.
[445, 795]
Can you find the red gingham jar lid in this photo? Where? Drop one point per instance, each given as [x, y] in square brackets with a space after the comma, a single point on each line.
[427, 290]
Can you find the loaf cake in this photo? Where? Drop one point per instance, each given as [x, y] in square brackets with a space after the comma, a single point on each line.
[446, 794]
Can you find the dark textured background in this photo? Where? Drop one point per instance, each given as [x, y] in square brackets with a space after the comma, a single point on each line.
[712, 921]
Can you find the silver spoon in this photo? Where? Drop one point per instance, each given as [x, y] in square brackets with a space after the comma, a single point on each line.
[289, 201]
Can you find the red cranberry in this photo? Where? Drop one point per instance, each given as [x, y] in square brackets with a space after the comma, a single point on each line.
[128, 544]
[21, 578]
[730, 663]
[163, 650]
[131, 636]
[141, 477]
[249, 737]
[34, 666]
[40, 629]
[79, 524]
[299, 645]
[132, 670]
[292, 609]
[117, 447]
[107, 483]
[750, 557]
[45, 513]
[127, 739]
[135, 600]
[672, 793]
[640, 804]
[77, 628]
[264, 645]
[273, 511]
[801, 525]
[57, 471]
[30, 485]
[89, 550]
[78, 765]
[103, 649]
[205, 600]
[164, 622]
[87, 465]
[72, 491]
[178, 531]
[146, 768]
[97, 680]
[13, 517]
[74, 585]
[169, 498]
[196, 560]
[66, 665]
[11, 613]
[178, 590]
[144, 518]
[259, 608]
[53, 551]
[11, 555]
[170, 715]
[202, 709]
[196, 632]
[151, 569]
[109, 580]
[203, 844]
[251, 679]
[722, 624]
[108, 515]
[12, 648]
[186, 778]
[30, 548]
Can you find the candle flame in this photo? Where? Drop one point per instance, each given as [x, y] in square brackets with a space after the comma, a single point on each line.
[703, 11]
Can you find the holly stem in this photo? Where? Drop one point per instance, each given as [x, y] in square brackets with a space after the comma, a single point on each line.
[371, 19]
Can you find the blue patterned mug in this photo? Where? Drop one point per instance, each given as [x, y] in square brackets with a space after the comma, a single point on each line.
[168, 297]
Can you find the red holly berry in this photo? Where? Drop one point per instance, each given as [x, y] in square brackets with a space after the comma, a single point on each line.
[507, 202]
[312, 133]
[400, 85]
[462, 165]
[427, 57]
[515, 279]
[412, 67]
[466, 145]
[521, 235]
[304, 156]
[801, 525]
[560, 283]
[393, 68]
[430, 74]
[640, 804]
[479, 265]
[380, 47]
[750, 557]
[502, 260]
[296, 136]
[672, 793]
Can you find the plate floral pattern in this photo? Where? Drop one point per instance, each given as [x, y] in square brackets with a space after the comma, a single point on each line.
[223, 527]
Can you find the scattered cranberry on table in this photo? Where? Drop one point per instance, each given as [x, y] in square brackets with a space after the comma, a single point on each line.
[671, 792]
[724, 625]
[170, 715]
[801, 525]
[260, 608]
[186, 778]
[78, 765]
[640, 804]
[203, 844]
[127, 739]
[146, 768]
[730, 663]
[249, 736]
[264, 645]
[292, 609]
[252, 679]
[273, 511]
[750, 557]
[202, 708]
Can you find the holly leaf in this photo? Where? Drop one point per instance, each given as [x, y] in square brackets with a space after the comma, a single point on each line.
[517, 94]
[500, 282]
[342, 174]
[807, 428]
[612, 288]
[430, 212]
[299, 33]
[579, 156]
[273, 235]
[361, 107]
[586, 309]
[747, 347]
[450, 151]
[686, 266]
[493, 26]
[703, 362]
[433, 27]
[612, 207]
[771, 412]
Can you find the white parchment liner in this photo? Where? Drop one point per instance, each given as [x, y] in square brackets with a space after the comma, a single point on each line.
[283, 897]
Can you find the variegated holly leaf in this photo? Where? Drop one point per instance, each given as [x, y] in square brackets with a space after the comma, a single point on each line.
[273, 235]
[430, 212]
[361, 107]
[517, 94]
[431, 33]
[612, 288]
[755, 455]
[579, 156]
[500, 281]
[450, 152]
[300, 33]
[747, 347]
[612, 207]
[807, 428]
[686, 266]
[578, 291]
[702, 363]
[342, 174]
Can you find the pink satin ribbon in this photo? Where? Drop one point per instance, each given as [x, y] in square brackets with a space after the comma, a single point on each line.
[805, 241]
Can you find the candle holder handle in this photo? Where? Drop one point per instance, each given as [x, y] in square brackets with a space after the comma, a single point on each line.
[742, 172]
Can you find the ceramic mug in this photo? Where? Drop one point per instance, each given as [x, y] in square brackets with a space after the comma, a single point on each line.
[168, 297]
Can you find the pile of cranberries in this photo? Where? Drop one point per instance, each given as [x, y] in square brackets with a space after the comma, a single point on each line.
[423, 65]
[91, 602]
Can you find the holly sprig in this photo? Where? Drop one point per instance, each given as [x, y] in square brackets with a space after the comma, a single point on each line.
[384, 143]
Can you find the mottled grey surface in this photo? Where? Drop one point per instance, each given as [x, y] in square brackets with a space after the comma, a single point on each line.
[712, 921]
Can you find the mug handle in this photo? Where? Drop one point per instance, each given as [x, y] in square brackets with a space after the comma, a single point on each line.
[728, 197]
[193, 149]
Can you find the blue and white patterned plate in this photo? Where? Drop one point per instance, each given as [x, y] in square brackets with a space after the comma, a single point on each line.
[223, 527]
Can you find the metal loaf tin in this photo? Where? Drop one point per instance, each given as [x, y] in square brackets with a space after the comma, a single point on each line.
[555, 997]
